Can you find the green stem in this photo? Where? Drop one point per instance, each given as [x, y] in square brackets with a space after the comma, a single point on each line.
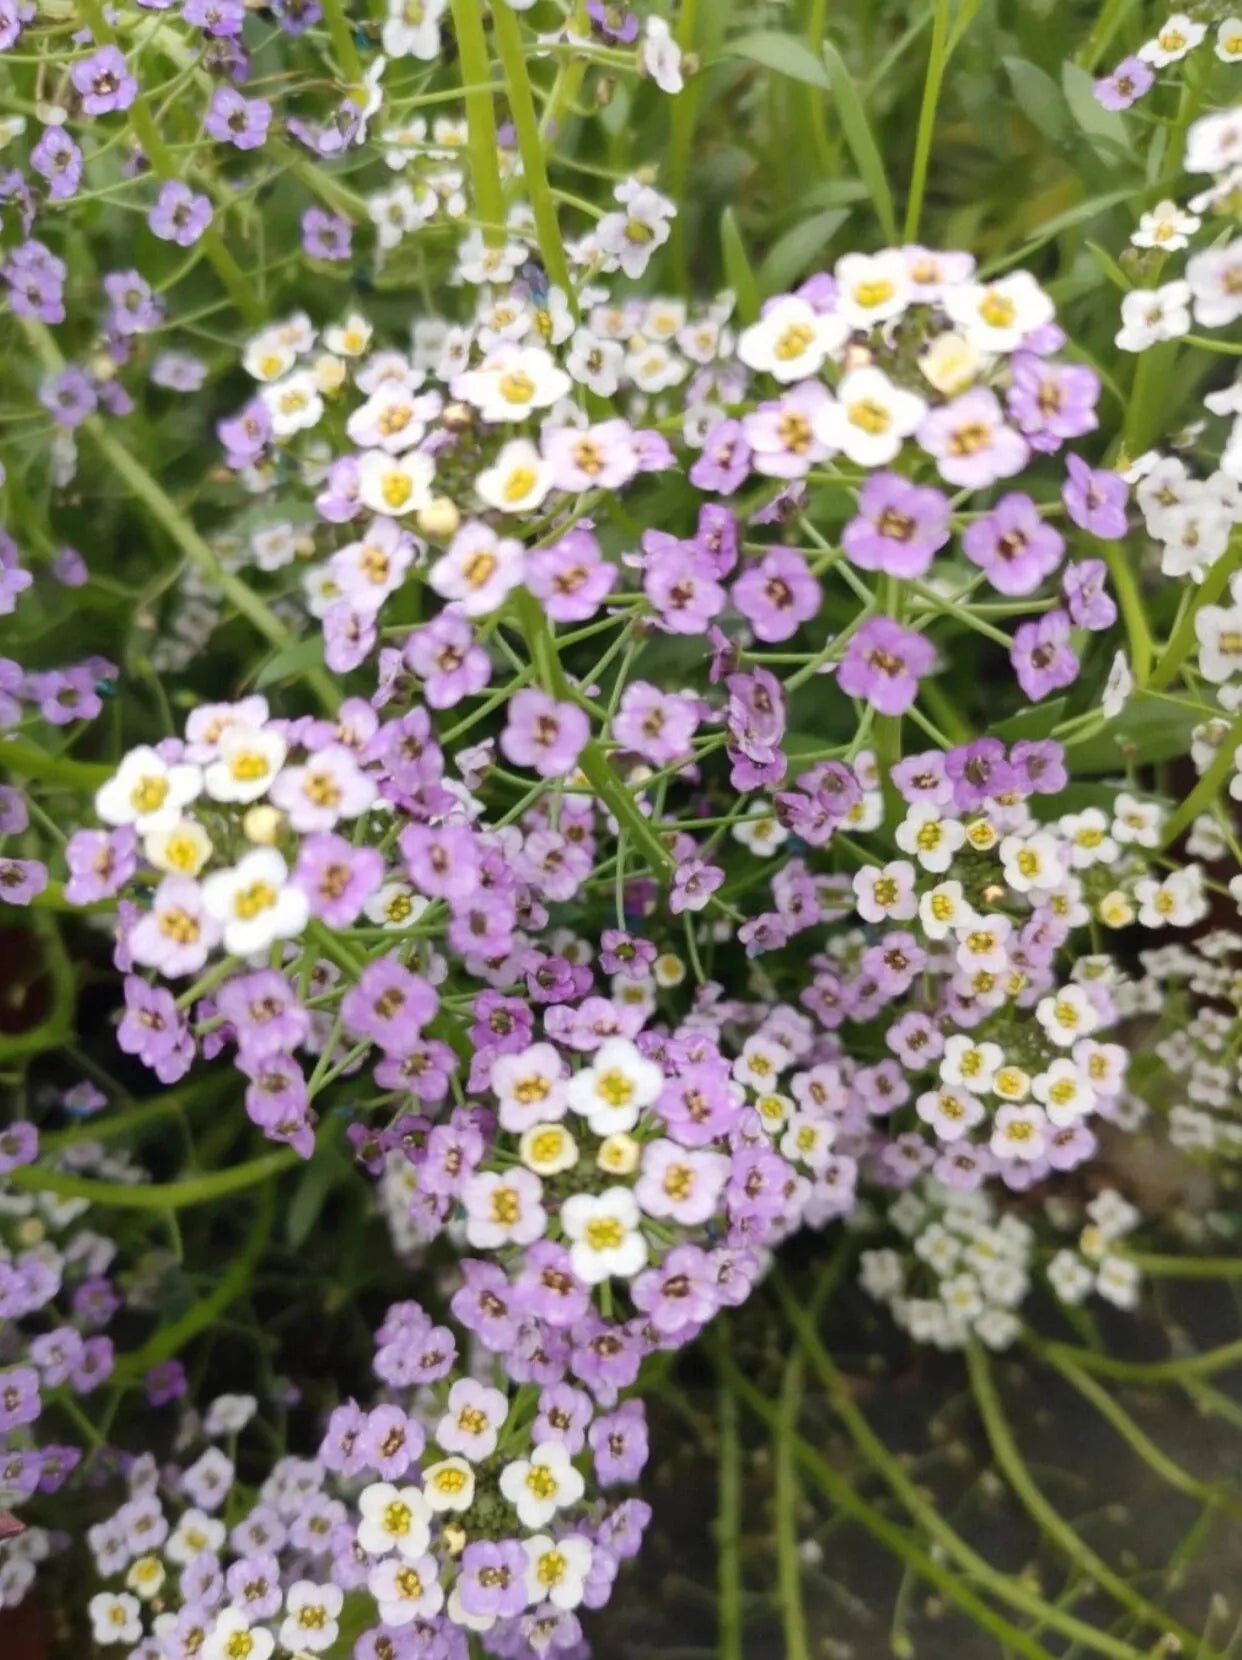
[785, 1504]
[1183, 639]
[681, 145]
[841, 1493]
[1186, 1268]
[481, 142]
[166, 512]
[1137, 1440]
[1177, 1370]
[509, 45]
[729, 1521]
[111, 1126]
[171, 1339]
[1133, 611]
[593, 762]
[343, 43]
[164, 164]
[936, 61]
[1050, 1520]
[1006, 1587]
[179, 1195]
[27, 761]
[1205, 791]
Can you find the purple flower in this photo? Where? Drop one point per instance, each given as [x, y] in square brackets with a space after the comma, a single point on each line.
[777, 596]
[336, 877]
[1052, 401]
[14, 816]
[979, 771]
[694, 882]
[680, 583]
[899, 528]
[570, 578]
[154, 1031]
[21, 880]
[20, 1402]
[166, 1382]
[179, 215]
[884, 663]
[36, 282]
[326, 235]
[972, 445]
[100, 863]
[245, 435]
[264, 1012]
[134, 307]
[1013, 546]
[492, 1579]
[242, 122]
[1085, 586]
[447, 659]
[104, 82]
[1041, 655]
[614, 22]
[218, 18]
[69, 568]
[390, 1005]
[543, 734]
[68, 396]
[725, 460]
[619, 1439]
[1131, 79]
[1095, 499]
[19, 1144]
[59, 160]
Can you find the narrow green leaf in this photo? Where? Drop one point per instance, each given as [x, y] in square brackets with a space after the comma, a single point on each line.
[1105, 128]
[291, 662]
[739, 273]
[802, 246]
[784, 54]
[861, 140]
[1040, 99]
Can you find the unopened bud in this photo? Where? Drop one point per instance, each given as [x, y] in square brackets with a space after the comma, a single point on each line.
[440, 519]
[261, 825]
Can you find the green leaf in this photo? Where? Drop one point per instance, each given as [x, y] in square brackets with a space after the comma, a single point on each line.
[318, 1179]
[1105, 127]
[739, 273]
[800, 247]
[785, 54]
[291, 662]
[861, 140]
[1040, 99]
[1156, 729]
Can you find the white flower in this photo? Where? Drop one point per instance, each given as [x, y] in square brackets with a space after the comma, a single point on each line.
[761, 835]
[538, 1486]
[406, 1591]
[397, 212]
[943, 909]
[512, 382]
[1137, 822]
[1067, 1015]
[393, 1519]
[449, 1485]
[791, 340]
[660, 56]
[518, 481]
[548, 1149]
[1228, 44]
[997, 316]
[1177, 901]
[1178, 36]
[350, 338]
[1119, 1282]
[1031, 862]
[310, 1621]
[1064, 1093]
[1214, 142]
[115, 1619]
[395, 484]
[255, 903]
[869, 418]
[232, 1637]
[195, 1532]
[1118, 687]
[146, 1577]
[930, 839]
[1149, 315]
[412, 29]
[871, 288]
[1219, 631]
[971, 1064]
[147, 792]
[612, 1092]
[228, 1414]
[603, 1230]
[595, 363]
[1215, 280]
[268, 356]
[1167, 226]
[885, 893]
[247, 762]
[293, 404]
[557, 1569]
[1070, 1277]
